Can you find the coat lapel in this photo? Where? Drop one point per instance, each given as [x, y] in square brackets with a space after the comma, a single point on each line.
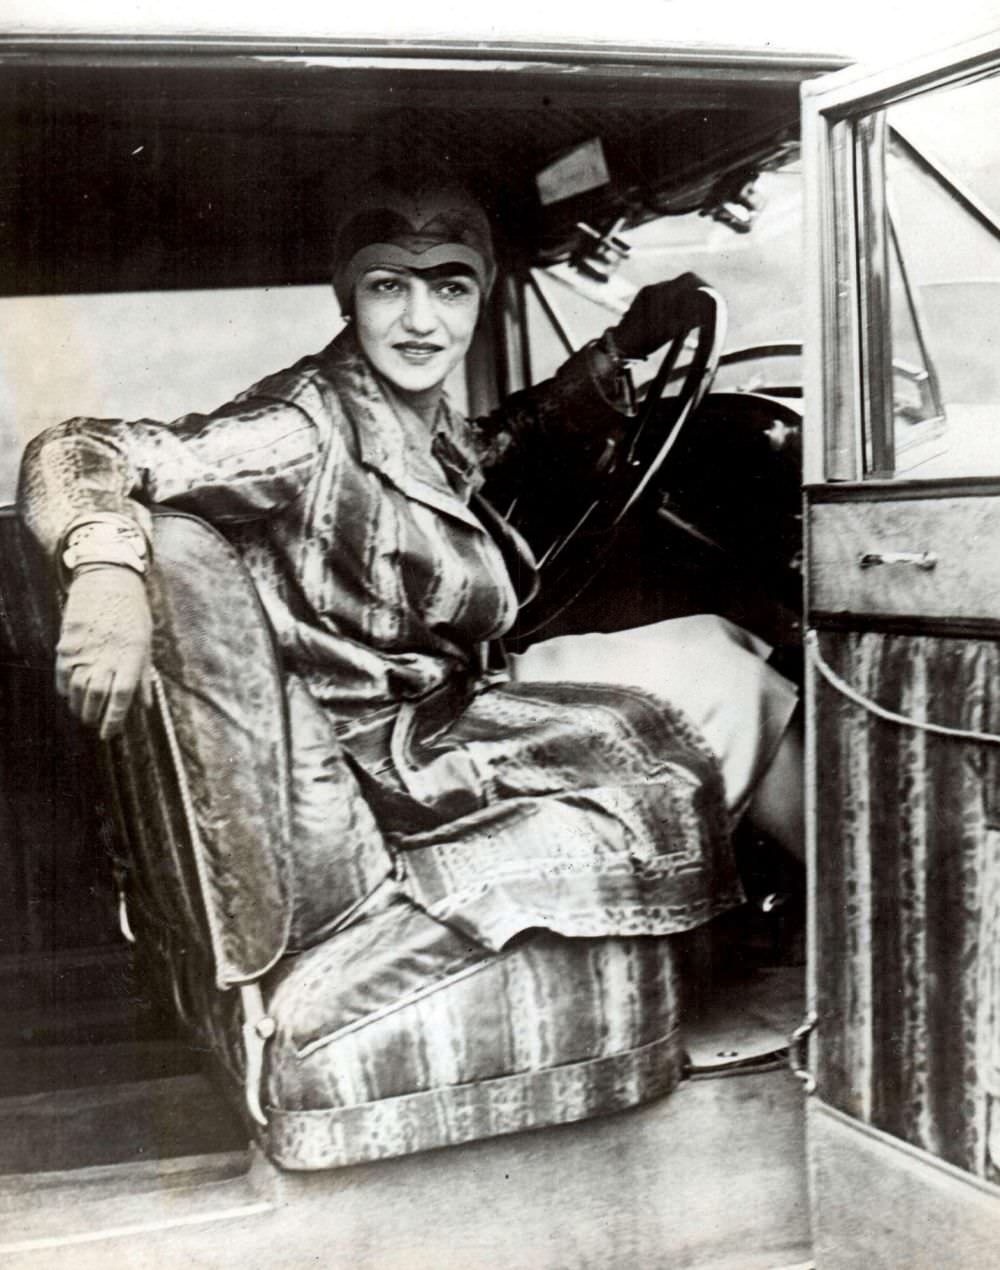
[382, 438]
[382, 446]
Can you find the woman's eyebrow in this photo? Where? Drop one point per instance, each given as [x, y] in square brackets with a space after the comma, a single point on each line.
[456, 270]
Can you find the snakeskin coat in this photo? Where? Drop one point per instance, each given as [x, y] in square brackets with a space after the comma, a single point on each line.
[497, 806]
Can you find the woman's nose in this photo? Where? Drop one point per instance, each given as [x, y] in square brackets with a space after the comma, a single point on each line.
[419, 312]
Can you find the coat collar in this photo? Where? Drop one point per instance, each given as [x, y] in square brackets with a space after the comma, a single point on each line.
[381, 435]
[382, 446]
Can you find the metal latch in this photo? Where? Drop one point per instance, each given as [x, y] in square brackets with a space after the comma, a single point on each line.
[798, 1046]
[124, 925]
[258, 1028]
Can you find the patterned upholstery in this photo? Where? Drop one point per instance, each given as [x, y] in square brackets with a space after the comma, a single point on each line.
[398, 1035]
[213, 849]
[392, 1032]
[908, 862]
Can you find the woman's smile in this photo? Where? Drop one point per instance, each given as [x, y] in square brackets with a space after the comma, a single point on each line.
[418, 353]
[415, 325]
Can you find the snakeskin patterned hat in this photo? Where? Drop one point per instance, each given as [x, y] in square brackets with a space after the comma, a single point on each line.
[418, 225]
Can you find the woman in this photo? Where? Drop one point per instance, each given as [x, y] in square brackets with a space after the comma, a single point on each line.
[566, 790]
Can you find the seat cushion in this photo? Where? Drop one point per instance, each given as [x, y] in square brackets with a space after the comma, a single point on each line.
[399, 1034]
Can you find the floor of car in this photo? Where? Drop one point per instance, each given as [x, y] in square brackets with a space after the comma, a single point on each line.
[90, 1074]
[713, 1177]
[747, 1020]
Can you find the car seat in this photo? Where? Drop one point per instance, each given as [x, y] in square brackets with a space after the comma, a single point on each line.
[348, 1024]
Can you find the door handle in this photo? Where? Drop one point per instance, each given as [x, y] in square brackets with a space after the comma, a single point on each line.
[925, 560]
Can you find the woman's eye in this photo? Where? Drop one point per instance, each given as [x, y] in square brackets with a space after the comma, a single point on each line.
[384, 286]
[455, 289]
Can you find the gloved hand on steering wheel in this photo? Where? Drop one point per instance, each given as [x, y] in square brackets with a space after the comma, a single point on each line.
[104, 654]
[659, 313]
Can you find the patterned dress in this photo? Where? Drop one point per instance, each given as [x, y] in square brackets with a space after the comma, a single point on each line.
[589, 809]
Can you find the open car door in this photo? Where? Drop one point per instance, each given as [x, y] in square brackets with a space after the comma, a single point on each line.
[903, 643]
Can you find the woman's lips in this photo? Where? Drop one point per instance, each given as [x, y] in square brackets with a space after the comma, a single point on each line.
[414, 351]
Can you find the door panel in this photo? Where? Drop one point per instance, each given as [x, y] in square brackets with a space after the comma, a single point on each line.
[903, 655]
[908, 875]
[933, 554]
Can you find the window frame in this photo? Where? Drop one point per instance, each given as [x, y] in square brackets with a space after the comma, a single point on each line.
[848, 355]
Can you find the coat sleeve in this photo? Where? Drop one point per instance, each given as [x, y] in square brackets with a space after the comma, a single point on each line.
[246, 460]
[562, 419]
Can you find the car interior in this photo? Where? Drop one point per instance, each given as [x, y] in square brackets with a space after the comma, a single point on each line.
[164, 240]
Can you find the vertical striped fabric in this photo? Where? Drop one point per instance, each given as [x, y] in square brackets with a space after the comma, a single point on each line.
[908, 885]
[399, 1035]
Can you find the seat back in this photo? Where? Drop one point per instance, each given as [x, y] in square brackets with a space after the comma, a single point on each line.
[202, 778]
[198, 785]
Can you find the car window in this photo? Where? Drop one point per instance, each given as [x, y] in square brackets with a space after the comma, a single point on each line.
[943, 250]
[956, 129]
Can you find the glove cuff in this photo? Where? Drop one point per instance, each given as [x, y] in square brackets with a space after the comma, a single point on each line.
[105, 539]
[610, 374]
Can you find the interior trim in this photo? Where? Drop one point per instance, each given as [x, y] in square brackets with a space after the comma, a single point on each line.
[796, 66]
[900, 491]
[911, 624]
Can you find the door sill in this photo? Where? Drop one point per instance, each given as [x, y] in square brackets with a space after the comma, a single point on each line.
[881, 1203]
[116, 1202]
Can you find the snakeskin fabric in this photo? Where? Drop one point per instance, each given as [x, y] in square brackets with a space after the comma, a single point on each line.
[378, 580]
[399, 1035]
[587, 810]
[361, 790]
[209, 821]
[394, 1032]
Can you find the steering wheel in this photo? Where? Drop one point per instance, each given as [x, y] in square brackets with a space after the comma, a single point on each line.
[633, 461]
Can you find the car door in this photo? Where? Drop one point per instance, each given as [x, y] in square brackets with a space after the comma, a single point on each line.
[903, 660]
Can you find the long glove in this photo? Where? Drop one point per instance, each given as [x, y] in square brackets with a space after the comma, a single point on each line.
[104, 652]
[659, 313]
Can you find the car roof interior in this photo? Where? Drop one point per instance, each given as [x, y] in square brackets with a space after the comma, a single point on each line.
[154, 171]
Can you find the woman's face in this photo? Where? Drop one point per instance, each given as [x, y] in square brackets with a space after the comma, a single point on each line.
[416, 325]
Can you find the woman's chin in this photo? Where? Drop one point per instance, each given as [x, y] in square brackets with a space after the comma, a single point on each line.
[409, 380]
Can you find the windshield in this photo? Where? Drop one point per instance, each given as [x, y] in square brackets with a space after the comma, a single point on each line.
[758, 273]
[943, 273]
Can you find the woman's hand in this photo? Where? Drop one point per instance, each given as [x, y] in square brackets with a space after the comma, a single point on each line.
[659, 313]
[105, 646]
